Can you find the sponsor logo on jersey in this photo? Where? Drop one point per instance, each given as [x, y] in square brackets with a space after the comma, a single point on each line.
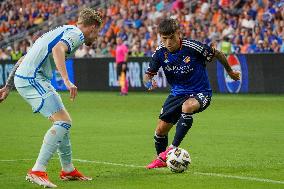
[179, 69]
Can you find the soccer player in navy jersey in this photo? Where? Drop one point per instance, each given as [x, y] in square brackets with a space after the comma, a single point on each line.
[184, 64]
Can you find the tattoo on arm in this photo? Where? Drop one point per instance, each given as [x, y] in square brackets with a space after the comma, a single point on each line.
[222, 58]
[10, 80]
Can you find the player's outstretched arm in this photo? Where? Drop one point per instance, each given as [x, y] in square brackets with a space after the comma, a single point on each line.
[222, 58]
[4, 92]
[149, 82]
[58, 52]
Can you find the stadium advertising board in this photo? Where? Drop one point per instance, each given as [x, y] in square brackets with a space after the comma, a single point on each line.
[260, 73]
[57, 80]
[135, 72]
[266, 73]
[105, 77]
[5, 69]
[228, 85]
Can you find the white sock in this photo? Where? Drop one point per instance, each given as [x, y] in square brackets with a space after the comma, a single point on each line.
[39, 167]
[68, 168]
[52, 139]
[172, 146]
[65, 154]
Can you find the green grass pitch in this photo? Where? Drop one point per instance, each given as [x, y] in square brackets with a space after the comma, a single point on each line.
[238, 142]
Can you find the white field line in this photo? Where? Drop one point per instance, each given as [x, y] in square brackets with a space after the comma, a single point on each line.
[241, 177]
[15, 160]
[108, 163]
[197, 173]
[139, 166]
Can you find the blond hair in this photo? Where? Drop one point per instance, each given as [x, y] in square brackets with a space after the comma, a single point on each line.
[89, 17]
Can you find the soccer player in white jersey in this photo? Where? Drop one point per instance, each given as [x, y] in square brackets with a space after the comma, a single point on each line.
[32, 74]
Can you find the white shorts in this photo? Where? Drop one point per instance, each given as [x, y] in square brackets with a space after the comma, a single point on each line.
[40, 94]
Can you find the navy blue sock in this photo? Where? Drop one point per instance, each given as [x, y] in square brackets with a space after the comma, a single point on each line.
[161, 143]
[182, 127]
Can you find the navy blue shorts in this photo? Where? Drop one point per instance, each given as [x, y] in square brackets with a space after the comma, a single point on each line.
[172, 108]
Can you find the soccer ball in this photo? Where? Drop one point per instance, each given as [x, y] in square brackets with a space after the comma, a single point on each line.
[178, 160]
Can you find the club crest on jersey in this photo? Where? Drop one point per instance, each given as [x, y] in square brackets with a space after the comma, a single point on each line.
[186, 59]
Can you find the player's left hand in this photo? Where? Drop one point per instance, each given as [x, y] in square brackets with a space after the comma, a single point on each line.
[72, 88]
[235, 75]
[151, 84]
[4, 92]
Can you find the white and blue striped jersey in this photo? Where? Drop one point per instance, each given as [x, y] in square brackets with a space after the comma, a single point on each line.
[39, 62]
[185, 69]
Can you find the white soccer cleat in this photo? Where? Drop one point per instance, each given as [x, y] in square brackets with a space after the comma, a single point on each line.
[40, 178]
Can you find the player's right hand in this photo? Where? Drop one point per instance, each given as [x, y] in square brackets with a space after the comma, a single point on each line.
[72, 88]
[4, 92]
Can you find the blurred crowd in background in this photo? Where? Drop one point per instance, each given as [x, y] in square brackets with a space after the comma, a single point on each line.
[235, 26]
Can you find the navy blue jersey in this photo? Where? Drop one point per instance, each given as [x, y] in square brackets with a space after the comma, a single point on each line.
[185, 69]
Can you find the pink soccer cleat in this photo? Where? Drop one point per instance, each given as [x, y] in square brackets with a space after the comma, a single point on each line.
[160, 161]
[163, 155]
[74, 175]
[40, 178]
[156, 163]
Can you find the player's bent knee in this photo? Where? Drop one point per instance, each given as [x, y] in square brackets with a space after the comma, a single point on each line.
[189, 110]
[190, 106]
[62, 115]
[64, 124]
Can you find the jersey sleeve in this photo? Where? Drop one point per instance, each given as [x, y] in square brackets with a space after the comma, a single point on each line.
[73, 39]
[202, 50]
[154, 64]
